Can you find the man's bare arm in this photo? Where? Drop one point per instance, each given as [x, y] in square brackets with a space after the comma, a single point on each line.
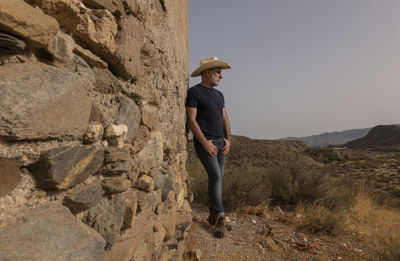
[208, 146]
[227, 132]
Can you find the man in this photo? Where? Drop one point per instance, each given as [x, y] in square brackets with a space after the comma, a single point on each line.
[208, 121]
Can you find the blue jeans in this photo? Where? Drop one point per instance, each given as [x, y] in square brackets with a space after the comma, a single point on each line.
[215, 171]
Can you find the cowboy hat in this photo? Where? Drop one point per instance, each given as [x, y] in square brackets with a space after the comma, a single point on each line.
[208, 63]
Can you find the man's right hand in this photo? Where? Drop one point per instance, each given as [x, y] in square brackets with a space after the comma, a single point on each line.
[210, 148]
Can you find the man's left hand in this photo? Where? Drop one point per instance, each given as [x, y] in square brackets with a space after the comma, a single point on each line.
[227, 146]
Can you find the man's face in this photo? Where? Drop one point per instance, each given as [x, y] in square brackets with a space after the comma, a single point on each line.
[214, 76]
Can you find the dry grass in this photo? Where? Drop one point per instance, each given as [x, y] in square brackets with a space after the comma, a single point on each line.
[320, 220]
[377, 226]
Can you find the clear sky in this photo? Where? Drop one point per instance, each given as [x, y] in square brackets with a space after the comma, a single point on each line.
[301, 67]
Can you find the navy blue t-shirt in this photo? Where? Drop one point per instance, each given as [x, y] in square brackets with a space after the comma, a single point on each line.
[209, 103]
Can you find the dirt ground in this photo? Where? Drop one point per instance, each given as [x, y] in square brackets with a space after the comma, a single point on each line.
[268, 235]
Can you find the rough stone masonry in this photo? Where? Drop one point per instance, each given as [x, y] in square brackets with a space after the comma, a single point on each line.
[92, 129]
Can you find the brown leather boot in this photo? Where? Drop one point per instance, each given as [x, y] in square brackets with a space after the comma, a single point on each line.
[220, 228]
[212, 219]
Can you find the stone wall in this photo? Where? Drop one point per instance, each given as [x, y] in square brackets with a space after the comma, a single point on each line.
[92, 129]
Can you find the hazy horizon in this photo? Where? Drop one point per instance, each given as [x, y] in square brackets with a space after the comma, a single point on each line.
[301, 68]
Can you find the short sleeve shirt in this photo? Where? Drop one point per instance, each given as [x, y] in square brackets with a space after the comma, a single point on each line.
[209, 103]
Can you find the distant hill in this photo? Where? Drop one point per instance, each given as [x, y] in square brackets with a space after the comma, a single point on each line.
[379, 137]
[332, 138]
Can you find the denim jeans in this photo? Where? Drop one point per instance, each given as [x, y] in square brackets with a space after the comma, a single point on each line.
[215, 171]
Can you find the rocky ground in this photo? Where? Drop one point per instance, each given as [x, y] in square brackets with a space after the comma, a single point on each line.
[262, 234]
[272, 234]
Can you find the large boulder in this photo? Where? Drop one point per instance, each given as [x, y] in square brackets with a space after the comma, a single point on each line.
[64, 167]
[50, 232]
[10, 175]
[38, 101]
[21, 19]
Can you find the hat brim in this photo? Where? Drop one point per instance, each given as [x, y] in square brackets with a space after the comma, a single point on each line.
[213, 64]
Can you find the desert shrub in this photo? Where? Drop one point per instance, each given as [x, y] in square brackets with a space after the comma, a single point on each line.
[294, 183]
[320, 220]
[339, 197]
[242, 185]
[245, 186]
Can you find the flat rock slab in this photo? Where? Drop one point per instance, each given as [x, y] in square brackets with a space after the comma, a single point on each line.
[64, 167]
[38, 101]
[50, 232]
[30, 23]
[10, 175]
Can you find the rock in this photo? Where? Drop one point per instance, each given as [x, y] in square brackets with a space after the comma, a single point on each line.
[129, 114]
[149, 200]
[181, 230]
[269, 243]
[38, 101]
[145, 183]
[151, 157]
[113, 131]
[83, 197]
[117, 168]
[21, 19]
[130, 199]
[167, 217]
[136, 242]
[150, 116]
[106, 82]
[116, 185]
[92, 59]
[116, 135]
[62, 47]
[184, 215]
[96, 28]
[50, 232]
[142, 138]
[140, 94]
[125, 61]
[95, 114]
[64, 167]
[107, 217]
[194, 255]
[10, 175]
[112, 155]
[114, 6]
[159, 235]
[94, 133]
[165, 183]
[11, 44]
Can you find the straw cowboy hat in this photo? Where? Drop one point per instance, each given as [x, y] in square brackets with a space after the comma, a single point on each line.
[208, 63]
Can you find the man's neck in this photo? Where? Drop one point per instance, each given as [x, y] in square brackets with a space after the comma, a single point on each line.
[206, 84]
